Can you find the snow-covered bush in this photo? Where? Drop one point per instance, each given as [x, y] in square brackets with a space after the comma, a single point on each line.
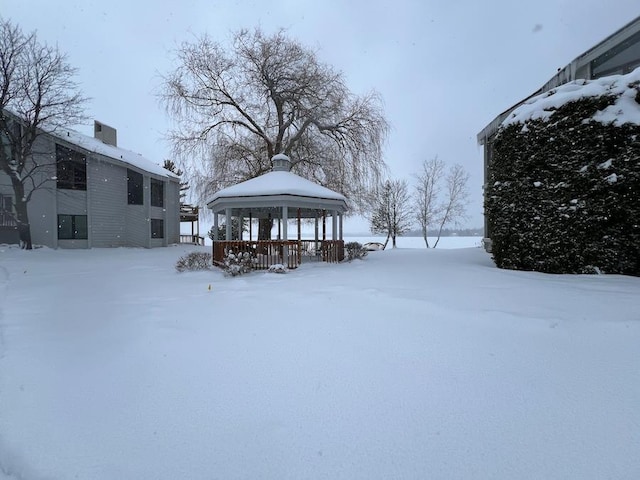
[562, 191]
[354, 250]
[194, 261]
[277, 268]
[235, 264]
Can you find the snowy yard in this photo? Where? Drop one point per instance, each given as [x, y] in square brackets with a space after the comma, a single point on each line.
[411, 364]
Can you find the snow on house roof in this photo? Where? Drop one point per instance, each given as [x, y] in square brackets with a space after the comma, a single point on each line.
[624, 110]
[98, 146]
[278, 183]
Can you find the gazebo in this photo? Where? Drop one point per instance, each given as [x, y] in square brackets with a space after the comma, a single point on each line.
[279, 195]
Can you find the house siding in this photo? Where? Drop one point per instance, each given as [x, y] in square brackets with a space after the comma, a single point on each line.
[138, 231]
[108, 203]
[172, 204]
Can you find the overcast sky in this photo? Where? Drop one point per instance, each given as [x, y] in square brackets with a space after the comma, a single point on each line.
[444, 68]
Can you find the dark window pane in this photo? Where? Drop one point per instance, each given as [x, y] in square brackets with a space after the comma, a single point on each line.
[157, 193]
[135, 191]
[65, 227]
[157, 228]
[71, 169]
[80, 227]
[72, 227]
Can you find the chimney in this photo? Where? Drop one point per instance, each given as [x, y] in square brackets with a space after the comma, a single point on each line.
[281, 163]
[107, 134]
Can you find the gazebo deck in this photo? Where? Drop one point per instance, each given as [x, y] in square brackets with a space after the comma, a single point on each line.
[289, 253]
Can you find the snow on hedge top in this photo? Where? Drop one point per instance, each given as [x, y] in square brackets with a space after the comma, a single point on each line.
[127, 156]
[278, 183]
[625, 109]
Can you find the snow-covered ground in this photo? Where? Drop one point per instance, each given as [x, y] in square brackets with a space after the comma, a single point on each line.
[411, 364]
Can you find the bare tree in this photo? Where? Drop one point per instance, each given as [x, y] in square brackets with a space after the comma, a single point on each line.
[456, 198]
[37, 92]
[427, 191]
[236, 107]
[391, 214]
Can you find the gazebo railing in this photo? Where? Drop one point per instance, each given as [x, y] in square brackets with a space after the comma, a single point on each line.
[285, 252]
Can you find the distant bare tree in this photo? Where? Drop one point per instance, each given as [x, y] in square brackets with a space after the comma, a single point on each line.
[427, 191]
[37, 92]
[391, 213]
[456, 199]
[237, 106]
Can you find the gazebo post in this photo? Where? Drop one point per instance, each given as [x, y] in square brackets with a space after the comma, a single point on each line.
[299, 239]
[250, 224]
[324, 236]
[324, 225]
[334, 225]
[227, 221]
[340, 225]
[285, 221]
[240, 220]
[316, 233]
[198, 226]
[215, 236]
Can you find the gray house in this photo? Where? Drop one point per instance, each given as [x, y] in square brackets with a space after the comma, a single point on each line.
[95, 195]
[619, 53]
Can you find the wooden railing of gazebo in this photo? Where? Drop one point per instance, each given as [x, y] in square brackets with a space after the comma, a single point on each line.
[272, 252]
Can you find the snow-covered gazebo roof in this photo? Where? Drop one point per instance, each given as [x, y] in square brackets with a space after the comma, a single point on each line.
[266, 194]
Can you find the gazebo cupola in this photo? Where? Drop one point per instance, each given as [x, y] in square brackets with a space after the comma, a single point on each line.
[281, 163]
[279, 195]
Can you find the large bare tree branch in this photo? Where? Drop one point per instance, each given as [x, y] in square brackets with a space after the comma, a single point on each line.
[236, 106]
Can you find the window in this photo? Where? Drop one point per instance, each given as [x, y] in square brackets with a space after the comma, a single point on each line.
[157, 193]
[157, 228]
[71, 169]
[72, 227]
[7, 219]
[135, 195]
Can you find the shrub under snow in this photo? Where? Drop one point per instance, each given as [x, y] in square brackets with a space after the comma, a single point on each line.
[194, 261]
[354, 250]
[235, 264]
[563, 187]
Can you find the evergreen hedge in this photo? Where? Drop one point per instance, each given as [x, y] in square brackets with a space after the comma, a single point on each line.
[563, 195]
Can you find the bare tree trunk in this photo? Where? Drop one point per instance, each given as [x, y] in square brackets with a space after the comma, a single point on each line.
[424, 235]
[22, 215]
[393, 241]
[264, 228]
[437, 240]
[439, 234]
[386, 241]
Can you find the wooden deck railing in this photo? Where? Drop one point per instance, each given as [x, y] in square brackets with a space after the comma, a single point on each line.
[7, 219]
[285, 252]
[193, 239]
